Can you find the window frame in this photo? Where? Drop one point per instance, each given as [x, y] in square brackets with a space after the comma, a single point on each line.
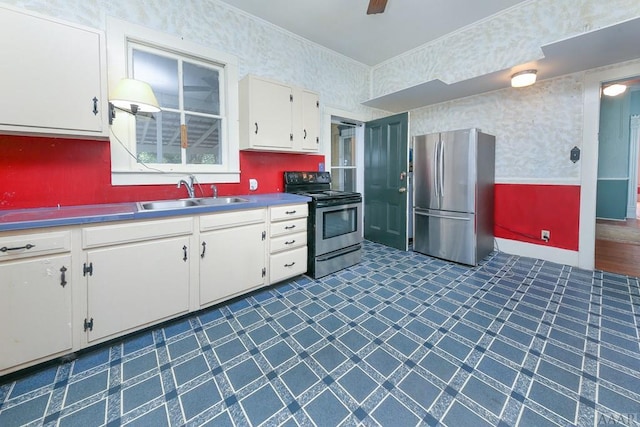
[340, 167]
[122, 38]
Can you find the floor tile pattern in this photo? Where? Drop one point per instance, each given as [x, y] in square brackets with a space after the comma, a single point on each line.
[401, 339]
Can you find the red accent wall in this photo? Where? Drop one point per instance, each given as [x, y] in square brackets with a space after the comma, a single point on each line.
[522, 210]
[45, 171]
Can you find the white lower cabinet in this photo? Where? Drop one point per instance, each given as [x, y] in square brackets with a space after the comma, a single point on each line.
[288, 241]
[232, 254]
[35, 309]
[137, 274]
[35, 298]
[63, 289]
[135, 285]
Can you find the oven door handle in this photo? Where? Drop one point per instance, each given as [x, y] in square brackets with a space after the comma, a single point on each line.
[338, 253]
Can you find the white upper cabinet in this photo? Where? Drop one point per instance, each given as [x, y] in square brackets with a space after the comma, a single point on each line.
[53, 77]
[310, 110]
[278, 117]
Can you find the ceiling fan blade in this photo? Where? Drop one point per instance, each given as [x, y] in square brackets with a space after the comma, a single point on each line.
[376, 6]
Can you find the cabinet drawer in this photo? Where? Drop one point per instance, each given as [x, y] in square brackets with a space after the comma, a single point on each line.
[231, 219]
[30, 245]
[135, 232]
[288, 264]
[279, 213]
[288, 227]
[289, 241]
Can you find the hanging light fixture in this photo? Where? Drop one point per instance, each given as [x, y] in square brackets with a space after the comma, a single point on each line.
[523, 78]
[132, 96]
[614, 89]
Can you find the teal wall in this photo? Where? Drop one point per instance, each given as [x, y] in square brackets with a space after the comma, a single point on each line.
[611, 202]
[613, 154]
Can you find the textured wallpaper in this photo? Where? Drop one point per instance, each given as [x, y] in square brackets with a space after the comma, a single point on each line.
[261, 48]
[511, 38]
[535, 127]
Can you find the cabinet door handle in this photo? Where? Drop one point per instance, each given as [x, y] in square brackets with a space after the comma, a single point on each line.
[256, 127]
[95, 106]
[204, 248]
[184, 249]
[17, 248]
[290, 242]
[305, 134]
[290, 265]
[289, 227]
[63, 279]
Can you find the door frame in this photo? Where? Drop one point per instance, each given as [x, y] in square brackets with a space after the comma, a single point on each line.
[632, 191]
[589, 158]
[328, 114]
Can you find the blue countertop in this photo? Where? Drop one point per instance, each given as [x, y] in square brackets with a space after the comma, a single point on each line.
[24, 219]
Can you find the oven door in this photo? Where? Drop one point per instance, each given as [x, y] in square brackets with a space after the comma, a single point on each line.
[337, 227]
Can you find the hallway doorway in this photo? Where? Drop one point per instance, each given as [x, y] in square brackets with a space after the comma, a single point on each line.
[617, 240]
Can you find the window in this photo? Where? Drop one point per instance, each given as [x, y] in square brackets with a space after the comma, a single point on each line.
[196, 131]
[343, 157]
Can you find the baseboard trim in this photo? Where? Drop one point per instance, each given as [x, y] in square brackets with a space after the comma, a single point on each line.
[547, 253]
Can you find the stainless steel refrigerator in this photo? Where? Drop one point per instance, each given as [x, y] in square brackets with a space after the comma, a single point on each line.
[453, 180]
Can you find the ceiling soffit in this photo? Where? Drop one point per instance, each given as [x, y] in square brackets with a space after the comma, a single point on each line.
[605, 46]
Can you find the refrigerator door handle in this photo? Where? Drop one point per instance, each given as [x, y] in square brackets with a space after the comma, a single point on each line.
[441, 168]
[442, 216]
[435, 167]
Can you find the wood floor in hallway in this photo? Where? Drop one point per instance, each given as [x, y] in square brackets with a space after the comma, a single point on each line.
[618, 257]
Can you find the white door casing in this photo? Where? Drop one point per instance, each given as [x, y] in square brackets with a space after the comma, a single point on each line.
[589, 157]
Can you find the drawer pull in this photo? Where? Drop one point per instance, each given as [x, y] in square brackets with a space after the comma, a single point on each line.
[17, 248]
[289, 227]
[290, 242]
[63, 279]
[290, 265]
[290, 212]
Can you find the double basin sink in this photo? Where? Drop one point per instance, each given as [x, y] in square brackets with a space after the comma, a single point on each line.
[188, 203]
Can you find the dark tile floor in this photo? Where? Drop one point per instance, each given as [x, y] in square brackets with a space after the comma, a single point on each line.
[398, 340]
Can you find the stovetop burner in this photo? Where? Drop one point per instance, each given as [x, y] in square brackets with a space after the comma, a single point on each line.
[317, 185]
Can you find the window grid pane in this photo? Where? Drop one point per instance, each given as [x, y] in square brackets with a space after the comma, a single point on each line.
[158, 136]
[343, 157]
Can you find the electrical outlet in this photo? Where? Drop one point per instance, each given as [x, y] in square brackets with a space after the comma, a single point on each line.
[545, 235]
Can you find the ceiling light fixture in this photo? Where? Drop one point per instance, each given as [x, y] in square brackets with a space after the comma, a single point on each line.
[523, 78]
[614, 89]
[133, 97]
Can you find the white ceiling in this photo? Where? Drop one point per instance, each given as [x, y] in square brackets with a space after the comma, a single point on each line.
[344, 26]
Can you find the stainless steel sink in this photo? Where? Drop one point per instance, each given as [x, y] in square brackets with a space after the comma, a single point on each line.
[211, 201]
[186, 203]
[167, 204]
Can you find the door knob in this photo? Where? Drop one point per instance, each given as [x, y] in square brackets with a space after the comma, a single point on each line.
[402, 190]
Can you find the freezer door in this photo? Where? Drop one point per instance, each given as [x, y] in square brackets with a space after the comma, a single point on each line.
[457, 170]
[446, 235]
[425, 171]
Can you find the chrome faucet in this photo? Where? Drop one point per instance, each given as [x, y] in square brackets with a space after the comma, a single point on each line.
[215, 190]
[189, 185]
